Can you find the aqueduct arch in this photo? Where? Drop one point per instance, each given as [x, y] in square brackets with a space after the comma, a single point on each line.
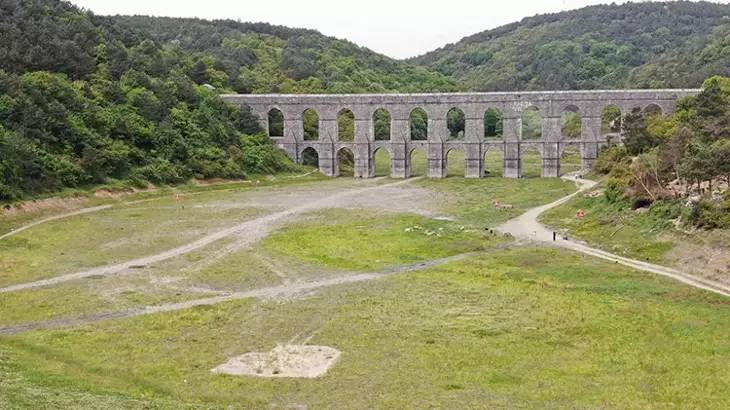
[424, 122]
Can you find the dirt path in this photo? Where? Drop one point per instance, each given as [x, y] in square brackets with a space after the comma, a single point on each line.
[527, 227]
[287, 290]
[55, 218]
[246, 234]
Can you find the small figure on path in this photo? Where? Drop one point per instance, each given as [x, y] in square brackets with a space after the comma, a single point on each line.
[555, 236]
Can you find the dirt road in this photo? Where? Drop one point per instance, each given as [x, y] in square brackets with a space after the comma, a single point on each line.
[245, 234]
[527, 227]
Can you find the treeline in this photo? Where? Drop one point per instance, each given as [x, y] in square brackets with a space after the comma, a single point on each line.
[260, 58]
[676, 162]
[633, 45]
[103, 111]
[88, 100]
[57, 133]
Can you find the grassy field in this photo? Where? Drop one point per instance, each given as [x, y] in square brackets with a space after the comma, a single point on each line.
[132, 228]
[360, 241]
[522, 328]
[619, 230]
[649, 236]
[512, 326]
[472, 200]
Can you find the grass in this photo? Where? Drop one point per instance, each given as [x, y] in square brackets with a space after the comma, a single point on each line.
[513, 327]
[522, 328]
[134, 227]
[648, 235]
[363, 241]
[571, 161]
[615, 228]
[70, 200]
[472, 200]
[111, 236]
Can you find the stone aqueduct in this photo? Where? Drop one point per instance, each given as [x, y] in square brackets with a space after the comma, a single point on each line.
[552, 105]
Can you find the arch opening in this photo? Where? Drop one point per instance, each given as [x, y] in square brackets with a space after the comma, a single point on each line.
[419, 125]
[310, 120]
[571, 123]
[652, 110]
[276, 123]
[531, 123]
[381, 125]
[418, 162]
[455, 163]
[346, 162]
[571, 160]
[345, 125]
[456, 123]
[494, 162]
[383, 162]
[310, 157]
[531, 162]
[493, 123]
[611, 121]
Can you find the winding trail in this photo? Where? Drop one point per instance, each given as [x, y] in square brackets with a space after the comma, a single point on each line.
[246, 233]
[55, 218]
[286, 290]
[527, 227]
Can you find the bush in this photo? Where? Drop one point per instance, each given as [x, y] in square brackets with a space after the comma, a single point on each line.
[615, 191]
[260, 156]
[160, 172]
[609, 158]
[708, 214]
[8, 193]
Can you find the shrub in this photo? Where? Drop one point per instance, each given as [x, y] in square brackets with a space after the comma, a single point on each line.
[610, 157]
[708, 214]
[160, 171]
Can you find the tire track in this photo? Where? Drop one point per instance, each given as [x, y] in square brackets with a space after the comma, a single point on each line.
[247, 232]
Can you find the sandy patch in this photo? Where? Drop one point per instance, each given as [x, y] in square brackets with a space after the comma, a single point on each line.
[294, 361]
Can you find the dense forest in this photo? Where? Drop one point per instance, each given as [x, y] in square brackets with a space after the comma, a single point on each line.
[88, 100]
[633, 45]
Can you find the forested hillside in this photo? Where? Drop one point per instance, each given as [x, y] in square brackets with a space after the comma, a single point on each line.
[88, 100]
[634, 45]
[260, 58]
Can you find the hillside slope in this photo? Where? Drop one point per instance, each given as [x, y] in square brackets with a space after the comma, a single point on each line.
[635, 45]
[261, 58]
[58, 37]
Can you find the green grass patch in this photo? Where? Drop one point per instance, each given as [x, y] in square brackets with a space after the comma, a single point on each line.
[521, 328]
[112, 236]
[615, 227]
[472, 200]
[361, 240]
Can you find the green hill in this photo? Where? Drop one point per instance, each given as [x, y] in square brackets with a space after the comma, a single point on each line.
[634, 45]
[88, 100]
[58, 37]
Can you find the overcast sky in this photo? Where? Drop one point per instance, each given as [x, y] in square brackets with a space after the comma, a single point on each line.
[396, 28]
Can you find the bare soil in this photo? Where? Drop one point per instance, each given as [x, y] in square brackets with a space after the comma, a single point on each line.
[294, 361]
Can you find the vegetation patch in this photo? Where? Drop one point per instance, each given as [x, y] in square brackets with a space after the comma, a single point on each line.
[471, 330]
[359, 240]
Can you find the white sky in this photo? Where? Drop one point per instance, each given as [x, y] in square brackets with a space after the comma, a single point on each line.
[397, 28]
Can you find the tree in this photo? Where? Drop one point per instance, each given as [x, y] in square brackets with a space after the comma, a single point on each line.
[699, 164]
[199, 72]
[647, 181]
[636, 135]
